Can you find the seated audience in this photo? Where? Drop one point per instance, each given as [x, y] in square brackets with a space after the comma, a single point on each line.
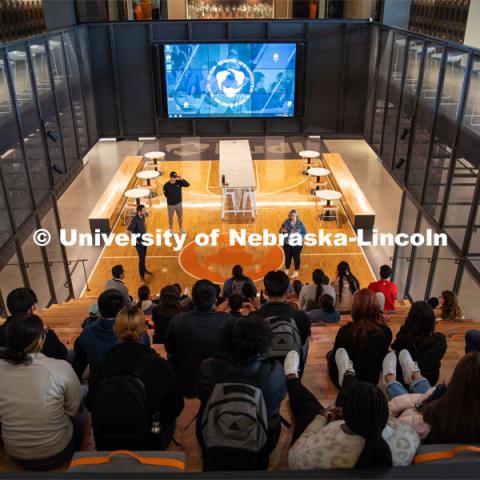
[445, 414]
[184, 299]
[244, 342]
[98, 338]
[433, 302]
[355, 434]
[294, 297]
[366, 339]
[324, 311]
[315, 290]
[22, 302]
[448, 307]
[250, 301]
[418, 336]
[122, 417]
[280, 314]
[221, 300]
[145, 302]
[168, 306]
[345, 285]
[41, 401]
[385, 286]
[236, 283]
[116, 282]
[194, 336]
[472, 341]
[93, 315]
[235, 303]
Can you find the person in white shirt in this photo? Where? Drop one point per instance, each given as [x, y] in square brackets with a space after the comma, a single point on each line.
[315, 290]
[41, 400]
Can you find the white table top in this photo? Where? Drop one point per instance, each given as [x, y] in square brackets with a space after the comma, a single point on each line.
[137, 193]
[309, 154]
[147, 174]
[318, 172]
[154, 155]
[236, 164]
[328, 194]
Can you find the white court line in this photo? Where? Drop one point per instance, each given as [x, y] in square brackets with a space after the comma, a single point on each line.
[177, 256]
[136, 256]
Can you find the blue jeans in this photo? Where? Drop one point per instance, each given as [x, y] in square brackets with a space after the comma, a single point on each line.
[395, 389]
[472, 341]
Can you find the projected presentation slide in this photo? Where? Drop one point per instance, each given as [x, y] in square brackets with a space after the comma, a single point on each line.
[230, 80]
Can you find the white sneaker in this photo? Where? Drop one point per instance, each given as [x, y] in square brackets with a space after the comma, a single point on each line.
[344, 364]
[295, 274]
[287, 271]
[409, 367]
[389, 366]
[291, 363]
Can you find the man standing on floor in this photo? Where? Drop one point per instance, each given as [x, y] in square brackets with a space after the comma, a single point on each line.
[137, 225]
[173, 193]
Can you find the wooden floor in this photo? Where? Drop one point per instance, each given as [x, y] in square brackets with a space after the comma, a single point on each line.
[281, 186]
[66, 320]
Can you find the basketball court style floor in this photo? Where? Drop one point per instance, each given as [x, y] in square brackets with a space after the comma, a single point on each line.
[281, 186]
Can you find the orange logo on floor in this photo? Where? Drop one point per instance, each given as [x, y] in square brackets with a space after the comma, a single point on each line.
[215, 263]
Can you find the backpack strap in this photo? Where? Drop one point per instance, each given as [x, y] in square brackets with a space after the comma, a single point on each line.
[158, 461]
[432, 456]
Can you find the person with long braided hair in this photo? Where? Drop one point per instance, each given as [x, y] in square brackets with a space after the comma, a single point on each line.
[345, 285]
[356, 433]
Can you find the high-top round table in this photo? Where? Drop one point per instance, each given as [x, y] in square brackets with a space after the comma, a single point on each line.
[137, 194]
[318, 172]
[155, 157]
[148, 175]
[328, 195]
[308, 155]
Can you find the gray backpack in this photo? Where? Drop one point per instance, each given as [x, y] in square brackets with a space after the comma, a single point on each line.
[235, 417]
[286, 336]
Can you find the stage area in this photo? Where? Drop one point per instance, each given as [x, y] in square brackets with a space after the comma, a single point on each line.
[281, 186]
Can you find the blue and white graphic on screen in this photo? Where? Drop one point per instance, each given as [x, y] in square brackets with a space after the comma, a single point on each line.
[230, 80]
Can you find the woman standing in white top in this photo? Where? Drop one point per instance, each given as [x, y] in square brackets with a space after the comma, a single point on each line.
[41, 401]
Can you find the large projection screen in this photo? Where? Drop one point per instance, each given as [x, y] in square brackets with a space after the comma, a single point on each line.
[230, 79]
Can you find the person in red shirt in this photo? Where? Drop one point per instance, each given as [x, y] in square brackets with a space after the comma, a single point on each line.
[385, 286]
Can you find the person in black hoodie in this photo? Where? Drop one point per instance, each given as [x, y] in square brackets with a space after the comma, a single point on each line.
[194, 336]
[165, 400]
[244, 341]
[21, 302]
[418, 336]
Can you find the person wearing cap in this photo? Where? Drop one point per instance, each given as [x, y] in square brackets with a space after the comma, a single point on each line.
[173, 193]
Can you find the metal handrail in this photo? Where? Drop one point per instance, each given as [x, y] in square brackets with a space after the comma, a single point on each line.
[50, 263]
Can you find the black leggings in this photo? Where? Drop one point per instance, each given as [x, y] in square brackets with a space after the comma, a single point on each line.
[292, 252]
[305, 407]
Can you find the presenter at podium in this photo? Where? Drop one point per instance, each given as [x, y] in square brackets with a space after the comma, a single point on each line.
[295, 230]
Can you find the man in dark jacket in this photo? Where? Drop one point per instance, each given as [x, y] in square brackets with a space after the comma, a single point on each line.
[244, 340]
[98, 338]
[22, 302]
[194, 336]
[276, 285]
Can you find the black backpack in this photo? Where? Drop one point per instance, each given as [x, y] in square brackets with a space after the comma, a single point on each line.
[121, 414]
